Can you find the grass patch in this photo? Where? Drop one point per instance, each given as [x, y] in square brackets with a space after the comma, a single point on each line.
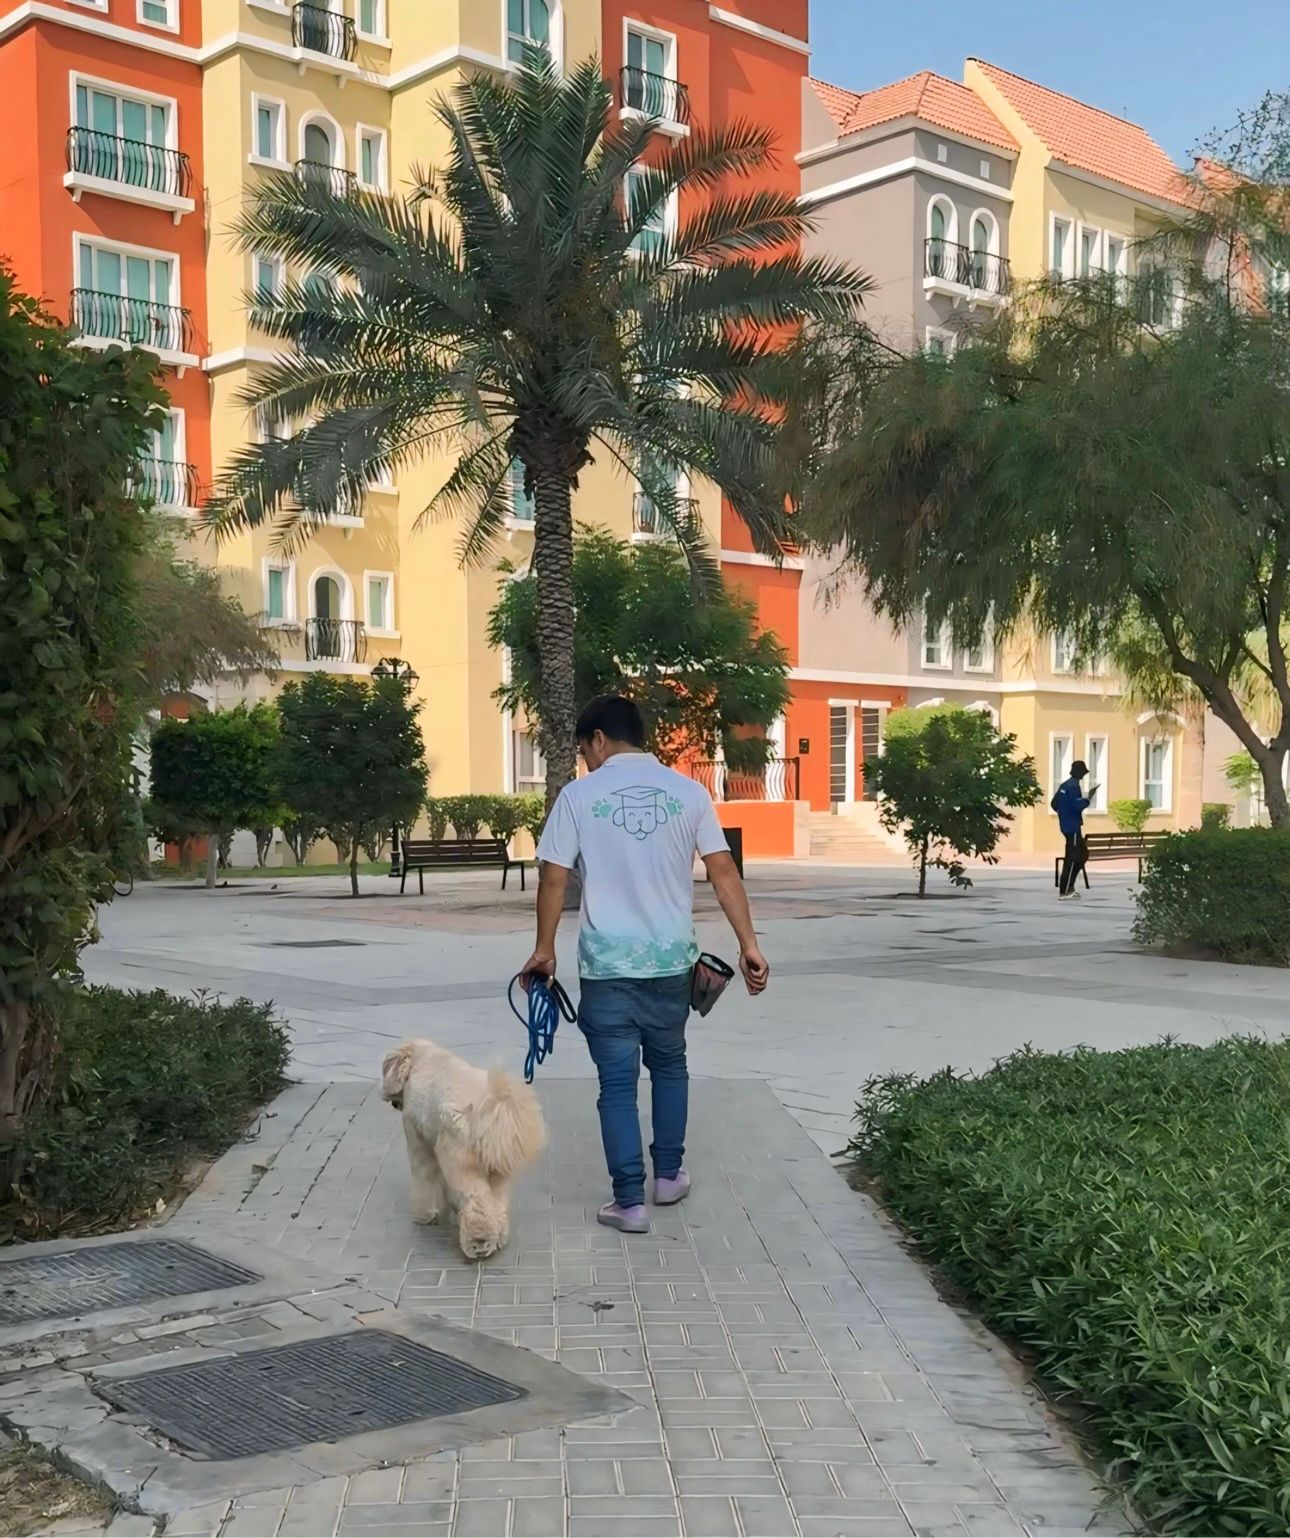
[1126, 1216]
[147, 1084]
[34, 1495]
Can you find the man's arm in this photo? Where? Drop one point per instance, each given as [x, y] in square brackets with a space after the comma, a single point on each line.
[552, 881]
[723, 873]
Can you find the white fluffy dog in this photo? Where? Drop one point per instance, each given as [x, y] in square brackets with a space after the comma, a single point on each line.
[469, 1133]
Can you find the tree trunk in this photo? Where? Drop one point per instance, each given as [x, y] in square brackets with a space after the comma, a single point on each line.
[1271, 765]
[15, 1025]
[922, 870]
[353, 868]
[553, 566]
[212, 860]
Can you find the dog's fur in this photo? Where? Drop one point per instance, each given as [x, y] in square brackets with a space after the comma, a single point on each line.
[469, 1133]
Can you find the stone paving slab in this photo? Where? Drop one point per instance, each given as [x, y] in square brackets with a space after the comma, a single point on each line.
[793, 1369]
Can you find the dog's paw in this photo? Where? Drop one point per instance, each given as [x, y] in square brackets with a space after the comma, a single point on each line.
[424, 1218]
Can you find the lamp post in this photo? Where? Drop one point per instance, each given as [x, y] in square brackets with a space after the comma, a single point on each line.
[403, 671]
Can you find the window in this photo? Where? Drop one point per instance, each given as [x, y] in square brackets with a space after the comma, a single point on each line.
[1095, 758]
[1089, 246]
[270, 131]
[527, 22]
[161, 475]
[984, 245]
[649, 85]
[980, 658]
[371, 158]
[128, 295]
[160, 13]
[942, 231]
[1156, 297]
[937, 646]
[646, 518]
[123, 138]
[528, 764]
[522, 505]
[942, 153]
[318, 145]
[1278, 288]
[1157, 773]
[371, 18]
[1063, 653]
[1115, 254]
[267, 278]
[279, 593]
[1060, 754]
[939, 342]
[1061, 248]
[654, 231]
[380, 606]
[985, 170]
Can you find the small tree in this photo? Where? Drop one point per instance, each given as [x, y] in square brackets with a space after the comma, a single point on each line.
[352, 759]
[701, 672]
[1131, 814]
[301, 834]
[949, 783]
[213, 774]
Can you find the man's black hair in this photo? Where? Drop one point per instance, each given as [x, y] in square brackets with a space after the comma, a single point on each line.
[617, 717]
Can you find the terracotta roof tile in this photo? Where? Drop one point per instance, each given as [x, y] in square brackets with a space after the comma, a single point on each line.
[1090, 139]
[944, 103]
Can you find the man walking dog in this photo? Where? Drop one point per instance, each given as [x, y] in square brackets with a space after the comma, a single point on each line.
[631, 827]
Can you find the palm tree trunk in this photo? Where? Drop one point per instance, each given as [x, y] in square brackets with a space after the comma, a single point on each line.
[553, 565]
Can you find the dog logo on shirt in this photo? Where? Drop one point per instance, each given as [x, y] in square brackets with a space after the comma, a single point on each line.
[638, 810]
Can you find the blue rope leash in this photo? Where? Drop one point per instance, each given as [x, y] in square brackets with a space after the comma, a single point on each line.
[547, 1002]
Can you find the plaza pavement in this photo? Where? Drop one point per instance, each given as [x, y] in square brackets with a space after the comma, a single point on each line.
[795, 1370]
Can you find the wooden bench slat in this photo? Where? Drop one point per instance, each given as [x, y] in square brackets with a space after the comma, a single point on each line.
[422, 854]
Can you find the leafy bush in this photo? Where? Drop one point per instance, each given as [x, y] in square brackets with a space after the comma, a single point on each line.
[1126, 1215]
[1215, 814]
[437, 816]
[1226, 890]
[467, 814]
[533, 805]
[1130, 816]
[147, 1082]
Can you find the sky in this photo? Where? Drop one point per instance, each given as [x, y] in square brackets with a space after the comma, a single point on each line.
[1180, 68]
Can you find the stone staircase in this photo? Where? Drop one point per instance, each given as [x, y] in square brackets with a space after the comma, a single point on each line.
[843, 840]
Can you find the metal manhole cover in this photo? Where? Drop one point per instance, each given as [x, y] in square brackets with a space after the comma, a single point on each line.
[313, 945]
[314, 1391]
[103, 1276]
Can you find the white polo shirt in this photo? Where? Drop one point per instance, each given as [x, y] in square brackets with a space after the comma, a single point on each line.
[632, 828]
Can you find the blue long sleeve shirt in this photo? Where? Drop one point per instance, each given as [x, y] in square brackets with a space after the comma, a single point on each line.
[1069, 804]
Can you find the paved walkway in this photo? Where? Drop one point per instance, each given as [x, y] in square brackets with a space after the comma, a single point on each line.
[795, 1370]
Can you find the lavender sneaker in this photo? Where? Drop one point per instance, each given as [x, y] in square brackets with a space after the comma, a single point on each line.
[628, 1220]
[669, 1191]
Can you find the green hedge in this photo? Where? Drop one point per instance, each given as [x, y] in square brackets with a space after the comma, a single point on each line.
[1225, 890]
[1126, 1216]
[147, 1083]
[502, 816]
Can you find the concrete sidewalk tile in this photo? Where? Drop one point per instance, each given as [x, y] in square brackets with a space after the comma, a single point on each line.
[542, 1518]
[853, 1527]
[384, 1518]
[646, 1476]
[708, 1516]
[934, 1519]
[125, 1524]
[990, 1520]
[722, 1483]
[252, 1521]
[621, 1508]
[764, 1516]
[197, 1521]
[434, 1480]
[627, 1527]
[375, 1486]
[482, 1519]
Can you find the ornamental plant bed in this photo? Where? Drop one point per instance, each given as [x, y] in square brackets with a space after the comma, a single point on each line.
[1125, 1218]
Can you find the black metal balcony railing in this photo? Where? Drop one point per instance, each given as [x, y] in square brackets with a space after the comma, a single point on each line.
[335, 640]
[321, 30]
[114, 317]
[776, 780]
[130, 161]
[333, 179]
[165, 482]
[981, 270]
[654, 95]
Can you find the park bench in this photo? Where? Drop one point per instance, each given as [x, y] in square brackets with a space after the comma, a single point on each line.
[423, 854]
[1113, 846]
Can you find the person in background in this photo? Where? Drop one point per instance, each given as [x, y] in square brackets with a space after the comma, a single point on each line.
[632, 827]
[1070, 804]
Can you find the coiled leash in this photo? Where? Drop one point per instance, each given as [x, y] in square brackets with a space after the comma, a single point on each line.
[547, 1002]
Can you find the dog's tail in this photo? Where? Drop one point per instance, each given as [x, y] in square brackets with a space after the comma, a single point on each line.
[507, 1125]
[395, 1070]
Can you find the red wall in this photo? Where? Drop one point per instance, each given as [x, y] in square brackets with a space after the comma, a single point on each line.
[808, 716]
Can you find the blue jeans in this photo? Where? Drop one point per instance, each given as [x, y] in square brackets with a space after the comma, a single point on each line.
[624, 1020]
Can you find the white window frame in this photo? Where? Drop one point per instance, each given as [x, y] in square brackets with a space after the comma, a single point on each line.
[1067, 268]
[171, 23]
[1058, 667]
[92, 5]
[362, 133]
[940, 200]
[288, 591]
[1121, 265]
[852, 766]
[316, 117]
[125, 248]
[342, 581]
[177, 416]
[991, 224]
[1095, 259]
[119, 89]
[683, 493]
[944, 644]
[985, 170]
[526, 782]
[1068, 757]
[279, 275]
[280, 163]
[1099, 801]
[986, 665]
[555, 34]
[669, 41]
[382, 33]
[671, 210]
[1166, 781]
[389, 628]
[940, 334]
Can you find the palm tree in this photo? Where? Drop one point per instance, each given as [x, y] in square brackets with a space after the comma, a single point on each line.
[532, 300]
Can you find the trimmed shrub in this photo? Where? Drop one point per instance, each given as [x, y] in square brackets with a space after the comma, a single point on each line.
[437, 817]
[503, 816]
[1226, 890]
[533, 804]
[147, 1083]
[1215, 814]
[1125, 1215]
[467, 814]
[1130, 816]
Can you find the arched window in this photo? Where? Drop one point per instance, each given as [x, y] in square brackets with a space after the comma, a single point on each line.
[319, 145]
[332, 635]
[942, 232]
[985, 248]
[326, 597]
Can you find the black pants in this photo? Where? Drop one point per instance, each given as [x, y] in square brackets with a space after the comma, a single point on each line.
[1073, 862]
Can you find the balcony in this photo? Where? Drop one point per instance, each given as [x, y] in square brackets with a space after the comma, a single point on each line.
[643, 94]
[166, 483]
[776, 780]
[645, 516]
[335, 640]
[319, 176]
[317, 29]
[105, 319]
[961, 272]
[129, 170]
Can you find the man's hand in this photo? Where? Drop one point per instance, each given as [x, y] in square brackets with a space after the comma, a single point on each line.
[755, 968]
[540, 964]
